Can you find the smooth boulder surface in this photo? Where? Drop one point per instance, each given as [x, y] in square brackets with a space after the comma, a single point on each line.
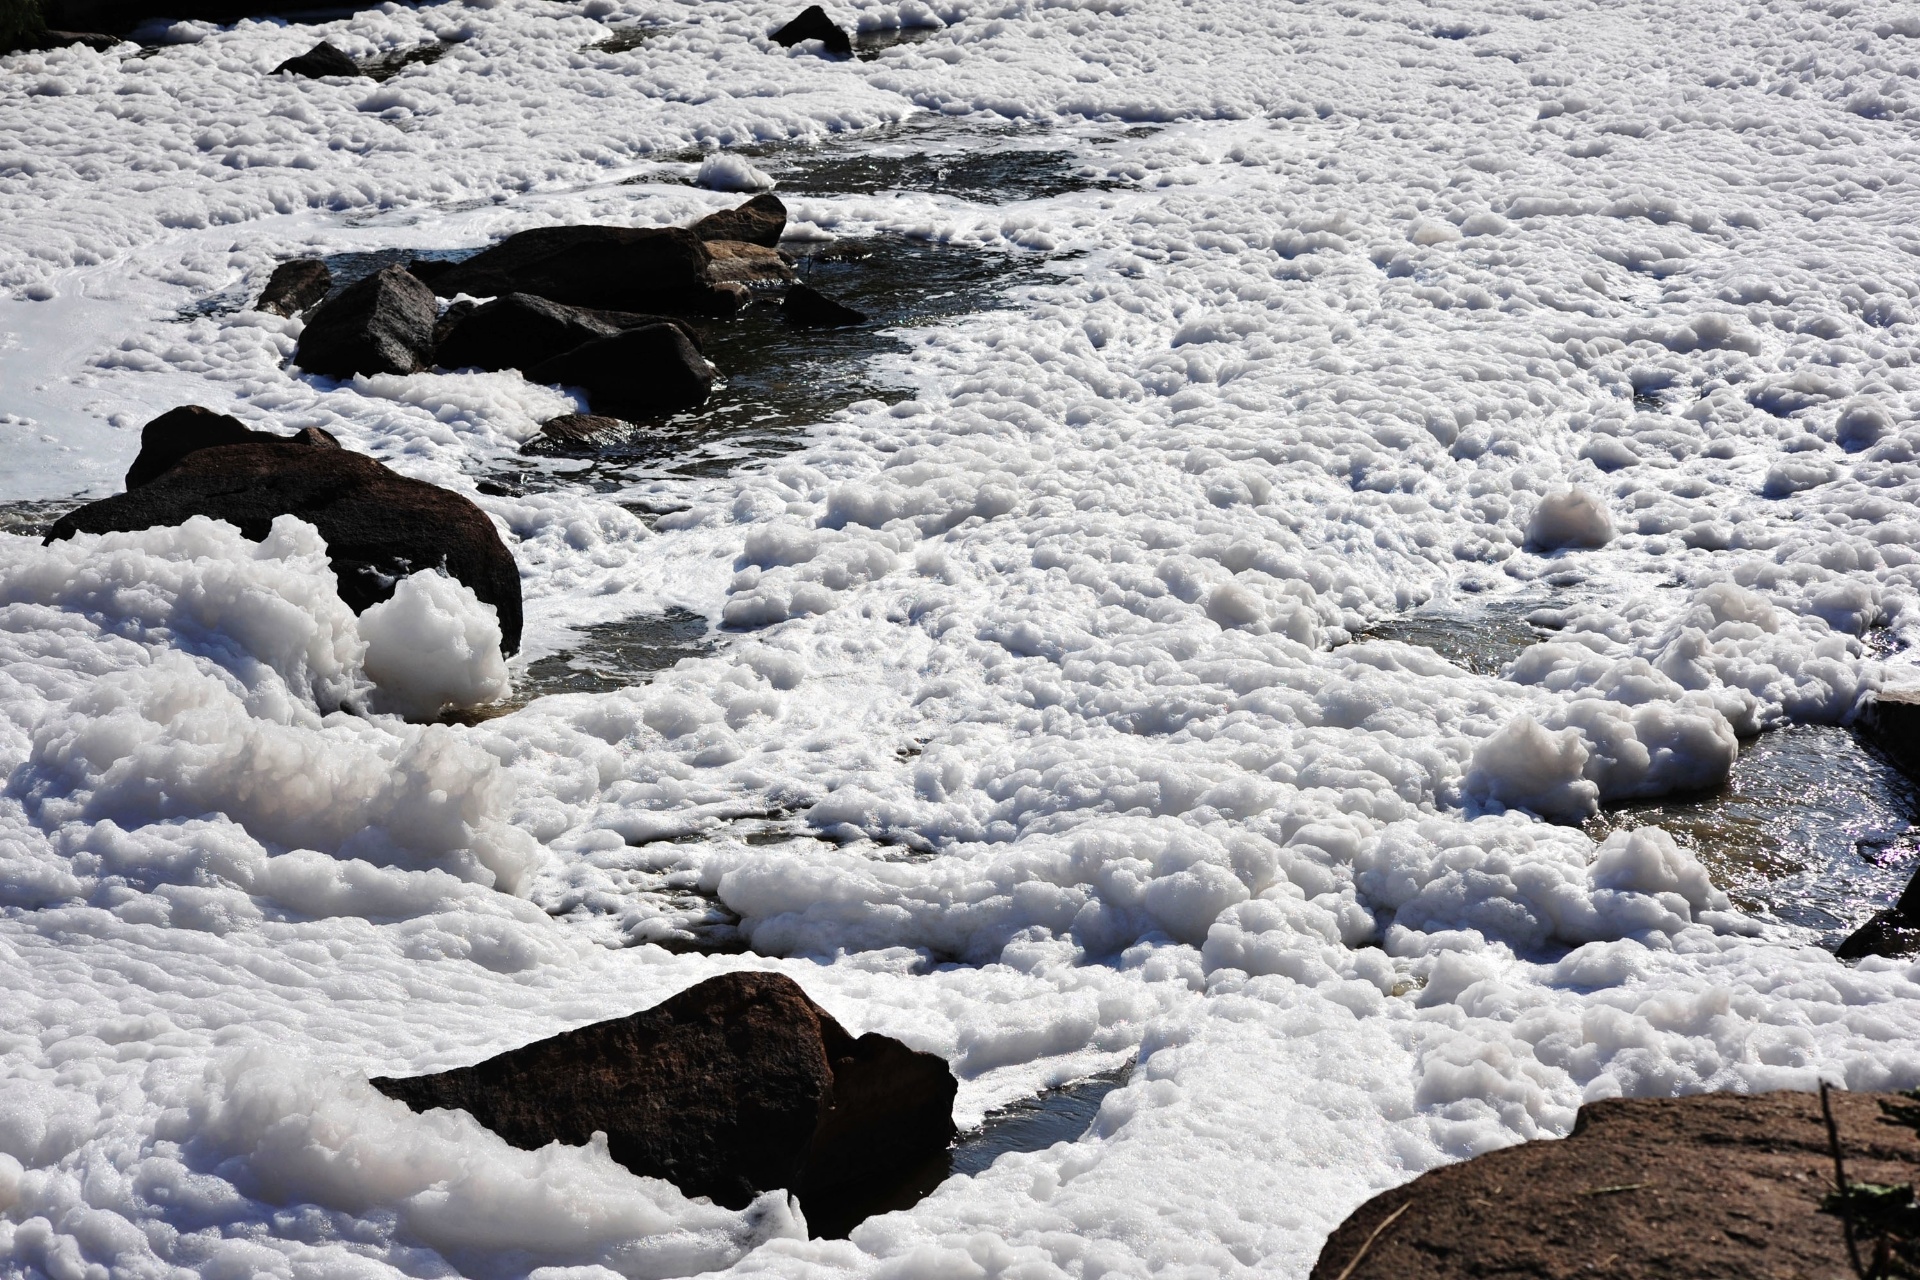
[382, 324]
[808, 308]
[521, 330]
[178, 432]
[761, 220]
[1701, 1188]
[643, 269]
[639, 373]
[578, 433]
[379, 526]
[295, 286]
[814, 24]
[321, 60]
[737, 1085]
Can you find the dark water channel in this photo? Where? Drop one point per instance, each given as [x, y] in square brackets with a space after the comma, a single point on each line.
[936, 158]
[33, 517]
[1480, 638]
[1031, 1124]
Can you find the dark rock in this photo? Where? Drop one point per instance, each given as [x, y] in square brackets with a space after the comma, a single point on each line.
[814, 24]
[1894, 932]
[295, 286]
[1699, 1188]
[1892, 720]
[382, 324]
[450, 319]
[760, 220]
[737, 1085]
[429, 270]
[810, 309]
[178, 432]
[379, 526]
[578, 433]
[752, 265]
[520, 330]
[617, 268]
[641, 373]
[321, 60]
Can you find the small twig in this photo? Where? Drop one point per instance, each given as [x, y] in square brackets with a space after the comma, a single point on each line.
[1840, 1181]
[1348, 1269]
[1614, 1191]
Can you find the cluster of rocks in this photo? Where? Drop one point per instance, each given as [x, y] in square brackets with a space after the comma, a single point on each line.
[605, 309]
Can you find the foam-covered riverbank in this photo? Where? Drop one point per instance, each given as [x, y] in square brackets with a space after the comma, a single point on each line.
[1041, 728]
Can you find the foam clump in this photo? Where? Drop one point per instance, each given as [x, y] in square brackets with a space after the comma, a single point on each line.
[731, 173]
[1573, 518]
[433, 644]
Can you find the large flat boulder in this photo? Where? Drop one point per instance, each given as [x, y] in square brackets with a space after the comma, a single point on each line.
[737, 1085]
[382, 324]
[761, 220]
[1701, 1188]
[640, 373]
[645, 269]
[521, 330]
[379, 526]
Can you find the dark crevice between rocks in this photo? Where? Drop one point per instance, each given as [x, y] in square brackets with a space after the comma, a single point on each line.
[1064, 1114]
[1815, 827]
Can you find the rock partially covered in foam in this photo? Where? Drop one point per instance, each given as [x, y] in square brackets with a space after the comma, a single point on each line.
[379, 527]
[738, 1085]
[1714, 1185]
[295, 286]
[760, 220]
[178, 432]
[320, 61]
[641, 373]
[618, 268]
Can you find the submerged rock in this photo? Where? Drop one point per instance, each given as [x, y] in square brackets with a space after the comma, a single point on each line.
[1698, 1188]
[521, 330]
[639, 373]
[753, 265]
[295, 286]
[737, 1085]
[321, 60]
[382, 324]
[577, 433]
[761, 220]
[808, 308]
[614, 268]
[814, 24]
[379, 526]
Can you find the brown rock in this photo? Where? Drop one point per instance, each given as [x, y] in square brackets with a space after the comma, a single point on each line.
[578, 433]
[295, 286]
[642, 269]
[379, 526]
[1702, 1188]
[1892, 932]
[178, 432]
[737, 1085]
[1892, 720]
[760, 220]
